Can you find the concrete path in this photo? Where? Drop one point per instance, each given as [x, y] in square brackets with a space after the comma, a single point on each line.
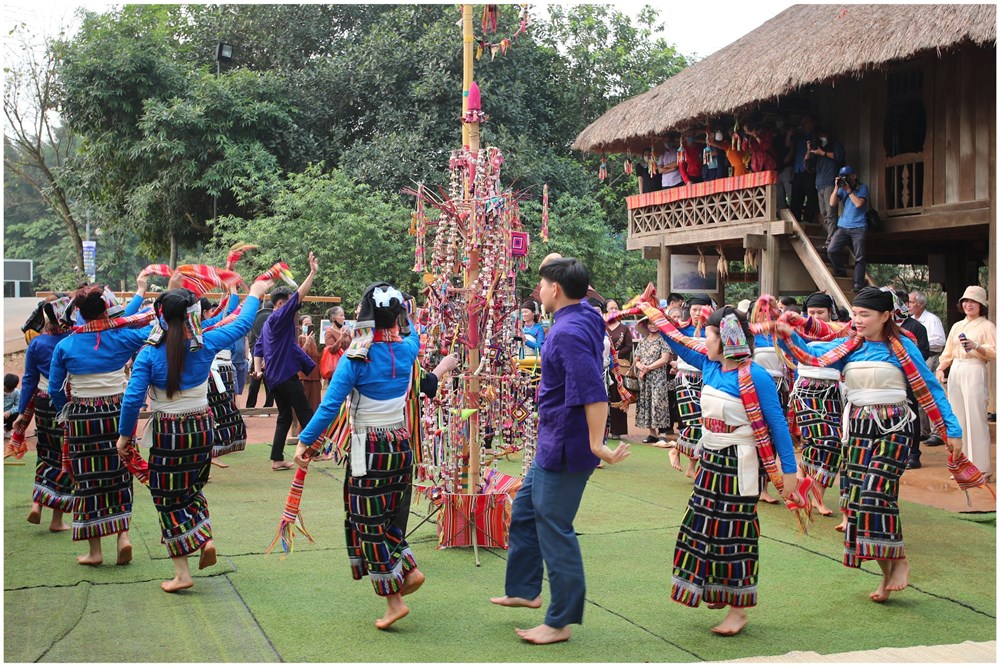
[978, 652]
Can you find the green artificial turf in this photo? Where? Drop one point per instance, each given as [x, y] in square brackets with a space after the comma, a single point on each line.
[306, 607]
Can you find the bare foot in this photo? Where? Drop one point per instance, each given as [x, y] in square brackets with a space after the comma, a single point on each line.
[124, 553]
[732, 624]
[90, 559]
[899, 577]
[216, 462]
[177, 584]
[35, 515]
[880, 594]
[842, 526]
[58, 527]
[395, 611]
[675, 460]
[509, 601]
[207, 558]
[692, 469]
[543, 634]
[821, 508]
[766, 497]
[413, 580]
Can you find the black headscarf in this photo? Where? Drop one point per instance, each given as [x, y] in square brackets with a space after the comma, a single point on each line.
[699, 300]
[874, 298]
[821, 300]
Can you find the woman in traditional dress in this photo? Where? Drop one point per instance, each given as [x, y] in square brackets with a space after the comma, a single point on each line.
[818, 406]
[652, 411]
[715, 559]
[621, 347]
[92, 364]
[375, 373]
[971, 343]
[878, 364]
[53, 485]
[175, 371]
[230, 427]
[688, 394]
[312, 382]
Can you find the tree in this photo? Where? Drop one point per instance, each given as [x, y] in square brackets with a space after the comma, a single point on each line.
[37, 149]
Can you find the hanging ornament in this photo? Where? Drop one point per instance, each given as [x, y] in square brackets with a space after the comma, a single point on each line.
[651, 165]
[628, 162]
[722, 266]
[490, 15]
[545, 213]
[702, 266]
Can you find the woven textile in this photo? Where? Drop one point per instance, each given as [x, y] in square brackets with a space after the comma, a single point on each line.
[102, 490]
[755, 179]
[875, 461]
[230, 428]
[818, 407]
[179, 461]
[715, 558]
[689, 408]
[376, 548]
[53, 485]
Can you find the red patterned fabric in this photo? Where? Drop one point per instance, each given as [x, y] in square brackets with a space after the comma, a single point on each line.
[199, 278]
[489, 513]
[730, 184]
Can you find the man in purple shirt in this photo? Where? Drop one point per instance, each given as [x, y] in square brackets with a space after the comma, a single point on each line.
[572, 411]
[277, 349]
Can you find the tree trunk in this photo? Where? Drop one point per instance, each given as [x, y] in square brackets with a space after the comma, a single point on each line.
[173, 250]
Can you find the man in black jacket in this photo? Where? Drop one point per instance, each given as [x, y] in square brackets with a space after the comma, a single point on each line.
[255, 382]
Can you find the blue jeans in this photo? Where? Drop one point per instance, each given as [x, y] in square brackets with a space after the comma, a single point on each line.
[837, 252]
[241, 376]
[541, 529]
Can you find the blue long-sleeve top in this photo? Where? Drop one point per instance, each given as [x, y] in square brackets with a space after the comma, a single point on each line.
[384, 376]
[150, 366]
[36, 362]
[92, 352]
[134, 305]
[880, 351]
[538, 331]
[767, 395]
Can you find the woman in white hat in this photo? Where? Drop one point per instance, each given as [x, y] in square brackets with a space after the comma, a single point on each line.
[971, 343]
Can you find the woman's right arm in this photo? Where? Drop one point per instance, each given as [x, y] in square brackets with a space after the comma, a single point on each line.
[135, 393]
[29, 381]
[692, 357]
[341, 384]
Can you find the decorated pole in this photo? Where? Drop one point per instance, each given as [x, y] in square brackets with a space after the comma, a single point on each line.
[467, 40]
[470, 137]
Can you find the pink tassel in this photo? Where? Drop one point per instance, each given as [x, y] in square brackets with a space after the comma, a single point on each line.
[545, 213]
[475, 101]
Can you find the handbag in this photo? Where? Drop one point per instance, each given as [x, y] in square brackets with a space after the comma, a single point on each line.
[328, 362]
[630, 380]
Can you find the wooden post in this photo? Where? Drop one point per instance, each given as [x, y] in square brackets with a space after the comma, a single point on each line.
[769, 260]
[663, 272]
[467, 60]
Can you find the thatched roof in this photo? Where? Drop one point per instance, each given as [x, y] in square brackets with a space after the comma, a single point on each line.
[804, 45]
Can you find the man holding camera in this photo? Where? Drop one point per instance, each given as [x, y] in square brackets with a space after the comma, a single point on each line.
[852, 226]
[827, 155]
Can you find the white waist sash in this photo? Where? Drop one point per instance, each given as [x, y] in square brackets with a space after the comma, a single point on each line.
[871, 383]
[96, 385]
[371, 414]
[768, 358]
[43, 383]
[818, 373]
[223, 356]
[685, 367]
[185, 400]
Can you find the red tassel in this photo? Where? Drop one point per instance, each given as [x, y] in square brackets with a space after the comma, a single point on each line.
[490, 14]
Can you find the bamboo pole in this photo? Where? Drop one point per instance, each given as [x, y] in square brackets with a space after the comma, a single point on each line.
[467, 40]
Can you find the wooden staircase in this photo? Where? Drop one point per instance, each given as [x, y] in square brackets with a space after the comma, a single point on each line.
[806, 241]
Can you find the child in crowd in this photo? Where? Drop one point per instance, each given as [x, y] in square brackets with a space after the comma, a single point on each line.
[11, 397]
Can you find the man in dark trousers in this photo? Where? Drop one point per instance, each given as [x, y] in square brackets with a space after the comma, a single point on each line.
[256, 381]
[919, 332]
[278, 351]
[572, 412]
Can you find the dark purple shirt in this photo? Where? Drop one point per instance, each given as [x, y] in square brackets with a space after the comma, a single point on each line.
[278, 344]
[572, 377]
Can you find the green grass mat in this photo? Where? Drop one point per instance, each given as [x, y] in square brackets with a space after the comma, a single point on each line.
[251, 608]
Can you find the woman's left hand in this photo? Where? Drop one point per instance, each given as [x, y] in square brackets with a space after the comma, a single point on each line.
[955, 445]
[301, 460]
[970, 345]
[124, 446]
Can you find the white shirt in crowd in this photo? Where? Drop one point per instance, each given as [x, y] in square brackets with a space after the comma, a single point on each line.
[935, 331]
[671, 178]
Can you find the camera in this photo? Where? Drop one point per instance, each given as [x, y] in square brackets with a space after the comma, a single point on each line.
[841, 181]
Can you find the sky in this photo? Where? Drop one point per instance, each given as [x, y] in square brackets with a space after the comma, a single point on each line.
[695, 28]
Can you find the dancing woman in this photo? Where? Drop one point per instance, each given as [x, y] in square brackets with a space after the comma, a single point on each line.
[92, 364]
[174, 369]
[878, 364]
[230, 428]
[817, 404]
[375, 373]
[689, 391]
[716, 556]
[53, 485]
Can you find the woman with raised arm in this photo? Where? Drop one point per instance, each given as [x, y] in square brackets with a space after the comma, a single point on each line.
[174, 370]
[878, 364]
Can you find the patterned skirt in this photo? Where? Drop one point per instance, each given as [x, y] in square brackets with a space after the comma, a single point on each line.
[877, 449]
[179, 461]
[376, 548]
[53, 485]
[102, 485]
[230, 429]
[689, 406]
[715, 559]
[819, 408]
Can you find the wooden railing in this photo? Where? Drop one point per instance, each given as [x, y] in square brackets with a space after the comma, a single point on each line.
[904, 183]
[733, 200]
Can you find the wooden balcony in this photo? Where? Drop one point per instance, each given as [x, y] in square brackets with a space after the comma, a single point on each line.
[711, 212]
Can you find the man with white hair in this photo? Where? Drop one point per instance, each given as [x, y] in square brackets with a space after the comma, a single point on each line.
[935, 339]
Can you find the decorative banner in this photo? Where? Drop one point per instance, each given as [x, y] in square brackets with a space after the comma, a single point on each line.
[90, 260]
